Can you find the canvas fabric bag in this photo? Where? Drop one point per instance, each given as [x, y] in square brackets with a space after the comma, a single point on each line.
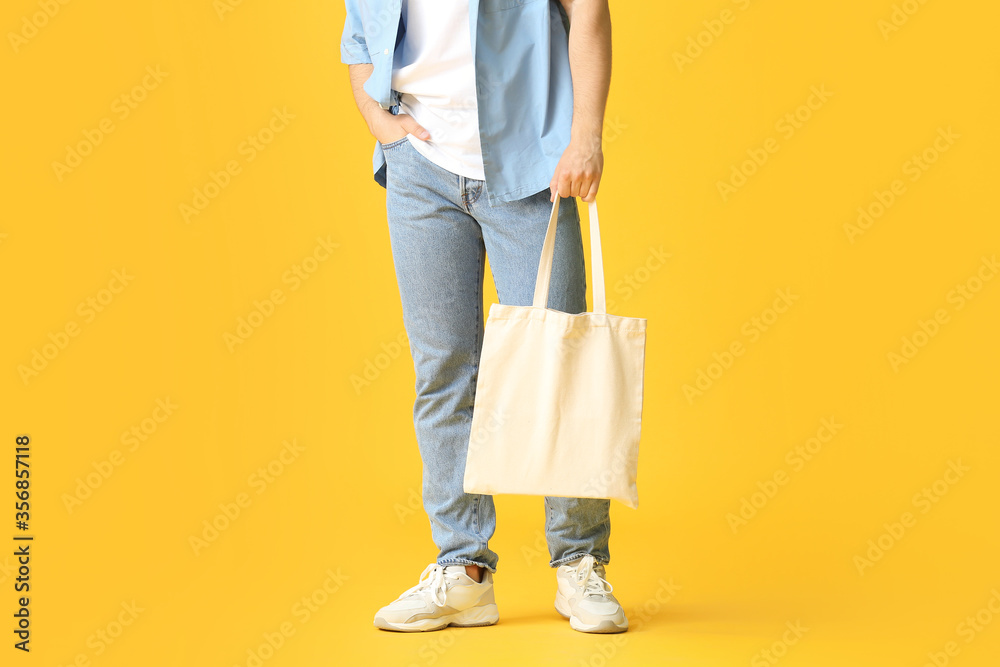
[558, 404]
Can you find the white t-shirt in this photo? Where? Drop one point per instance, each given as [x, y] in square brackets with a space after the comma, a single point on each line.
[434, 72]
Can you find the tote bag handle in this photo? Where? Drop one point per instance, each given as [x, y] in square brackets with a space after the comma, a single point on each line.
[548, 250]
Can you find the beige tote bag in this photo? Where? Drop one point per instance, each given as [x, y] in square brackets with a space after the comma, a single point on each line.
[558, 402]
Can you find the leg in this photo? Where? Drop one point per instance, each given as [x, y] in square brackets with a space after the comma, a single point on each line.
[439, 259]
[513, 235]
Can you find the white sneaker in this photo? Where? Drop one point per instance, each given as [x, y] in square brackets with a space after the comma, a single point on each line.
[445, 596]
[584, 596]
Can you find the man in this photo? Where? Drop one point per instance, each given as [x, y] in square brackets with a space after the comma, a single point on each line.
[483, 112]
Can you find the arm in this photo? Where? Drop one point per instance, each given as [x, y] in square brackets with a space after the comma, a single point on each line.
[578, 173]
[382, 124]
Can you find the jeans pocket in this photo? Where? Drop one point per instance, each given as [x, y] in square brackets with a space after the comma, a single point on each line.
[394, 144]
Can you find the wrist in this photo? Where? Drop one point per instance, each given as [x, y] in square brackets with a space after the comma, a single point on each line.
[586, 135]
[372, 113]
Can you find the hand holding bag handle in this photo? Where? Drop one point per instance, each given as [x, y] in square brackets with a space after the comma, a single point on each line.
[541, 299]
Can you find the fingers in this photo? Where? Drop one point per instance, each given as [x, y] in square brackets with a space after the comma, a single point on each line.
[413, 127]
[558, 185]
[566, 185]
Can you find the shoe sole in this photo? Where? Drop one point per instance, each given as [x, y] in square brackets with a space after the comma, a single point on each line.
[603, 627]
[467, 618]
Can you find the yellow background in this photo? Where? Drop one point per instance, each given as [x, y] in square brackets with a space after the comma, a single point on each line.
[346, 503]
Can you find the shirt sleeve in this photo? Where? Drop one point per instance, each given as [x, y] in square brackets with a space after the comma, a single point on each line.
[353, 46]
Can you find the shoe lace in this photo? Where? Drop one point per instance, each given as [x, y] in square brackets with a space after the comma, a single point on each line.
[591, 579]
[432, 580]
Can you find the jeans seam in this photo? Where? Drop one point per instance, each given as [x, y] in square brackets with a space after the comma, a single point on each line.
[548, 524]
[475, 371]
[393, 144]
[576, 556]
[464, 561]
[478, 192]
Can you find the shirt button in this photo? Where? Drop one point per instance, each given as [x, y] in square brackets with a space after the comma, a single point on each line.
[386, 52]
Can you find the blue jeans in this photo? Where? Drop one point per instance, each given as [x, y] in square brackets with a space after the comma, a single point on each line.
[441, 228]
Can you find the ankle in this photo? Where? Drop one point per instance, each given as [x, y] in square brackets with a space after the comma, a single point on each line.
[475, 572]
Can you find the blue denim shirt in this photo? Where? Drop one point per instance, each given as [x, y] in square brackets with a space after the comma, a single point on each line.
[523, 86]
